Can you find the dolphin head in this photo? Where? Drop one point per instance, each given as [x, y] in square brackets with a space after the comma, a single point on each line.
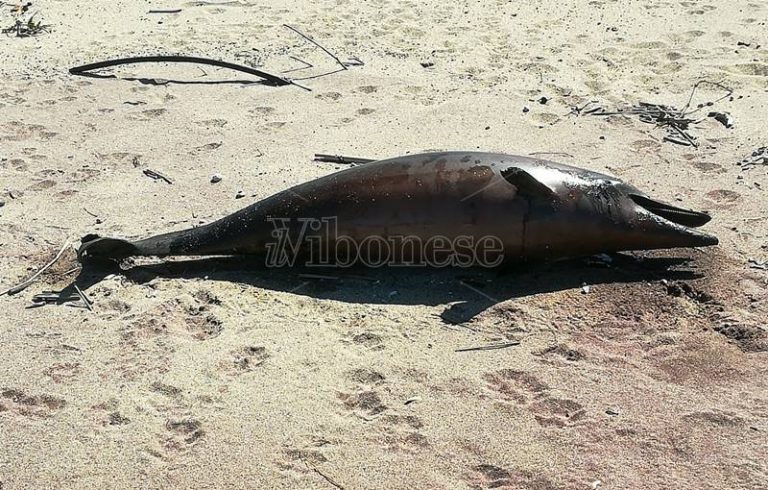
[665, 225]
[636, 221]
[577, 212]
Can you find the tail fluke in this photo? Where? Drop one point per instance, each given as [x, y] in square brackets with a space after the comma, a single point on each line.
[95, 248]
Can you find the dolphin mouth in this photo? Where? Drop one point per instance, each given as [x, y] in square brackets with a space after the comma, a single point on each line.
[679, 216]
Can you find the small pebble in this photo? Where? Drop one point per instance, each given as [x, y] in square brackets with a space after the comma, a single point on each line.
[585, 288]
[525, 109]
[543, 100]
[612, 411]
[215, 178]
[240, 195]
[427, 64]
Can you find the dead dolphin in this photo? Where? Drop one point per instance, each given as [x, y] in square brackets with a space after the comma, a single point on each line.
[452, 208]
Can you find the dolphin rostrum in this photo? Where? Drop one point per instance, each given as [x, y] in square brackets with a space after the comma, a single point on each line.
[452, 208]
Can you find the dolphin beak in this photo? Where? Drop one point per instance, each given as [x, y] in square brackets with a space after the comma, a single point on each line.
[684, 217]
[674, 224]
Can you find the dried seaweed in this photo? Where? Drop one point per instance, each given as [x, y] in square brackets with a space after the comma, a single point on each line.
[24, 23]
[677, 122]
[758, 157]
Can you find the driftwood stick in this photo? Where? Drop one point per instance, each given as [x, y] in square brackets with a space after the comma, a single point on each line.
[24, 285]
[84, 298]
[502, 345]
[48, 297]
[156, 175]
[321, 157]
[341, 63]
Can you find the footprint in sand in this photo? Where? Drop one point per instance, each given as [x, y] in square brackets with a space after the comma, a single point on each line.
[518, 386]
[329, 96]
[120, 158]
[42, 185]
[560, 352]
[246, 359]
[165, 389]
[368, 402]
[751, 69]
[147, 115]
[108, 413]
[748, 338]
[557, 412]
[365, 376]
[526, 389]
[181, 434]
[17, 164]
[183, 316]
[708, 167]
[367, 89]
[723, 197]
[212, 123]
[18, 131]
[715, 417]
[369, 340]
[261, 111]
[63, 372]
[16, 401]
[491, 476]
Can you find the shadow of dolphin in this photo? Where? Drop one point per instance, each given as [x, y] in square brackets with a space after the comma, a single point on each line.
[466, 291]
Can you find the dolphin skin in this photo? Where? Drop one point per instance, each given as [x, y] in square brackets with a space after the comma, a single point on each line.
[451, 208]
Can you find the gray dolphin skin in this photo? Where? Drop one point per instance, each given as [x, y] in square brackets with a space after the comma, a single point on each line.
[518, 208]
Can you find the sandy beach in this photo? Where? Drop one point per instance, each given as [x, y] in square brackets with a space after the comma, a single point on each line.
[647, 372]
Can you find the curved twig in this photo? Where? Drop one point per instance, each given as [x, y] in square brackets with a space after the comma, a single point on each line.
[272, 79]
[24, 285]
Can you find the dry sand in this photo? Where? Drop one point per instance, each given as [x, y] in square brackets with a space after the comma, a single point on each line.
[211, 377]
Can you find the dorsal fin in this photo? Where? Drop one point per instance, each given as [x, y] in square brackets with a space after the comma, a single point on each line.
[526, 183]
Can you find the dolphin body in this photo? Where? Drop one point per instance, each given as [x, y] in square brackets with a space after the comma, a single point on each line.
[509, 208]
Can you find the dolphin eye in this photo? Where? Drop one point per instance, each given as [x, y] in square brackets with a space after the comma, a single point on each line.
[680, 216]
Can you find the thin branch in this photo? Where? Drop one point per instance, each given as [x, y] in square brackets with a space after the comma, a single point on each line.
[306, 65]
[156, 175]
[325, 477]
[341, 63]
[321, 157]
[317, 76]
[503, 345]
[24, 285]
[83, 297]
[693, 91]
